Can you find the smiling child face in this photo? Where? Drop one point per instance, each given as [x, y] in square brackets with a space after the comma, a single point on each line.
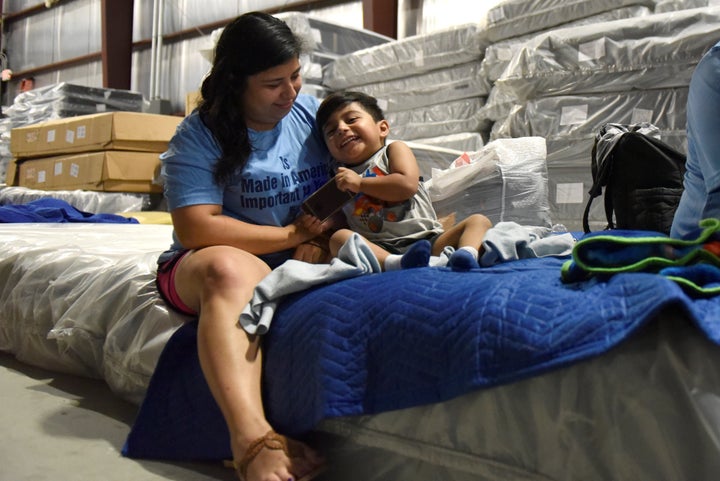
[352, 135]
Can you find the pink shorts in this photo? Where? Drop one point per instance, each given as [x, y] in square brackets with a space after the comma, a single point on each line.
[165, 282]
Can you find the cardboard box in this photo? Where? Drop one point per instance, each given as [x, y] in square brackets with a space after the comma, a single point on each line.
[11, 173]
[108, 171]
[85, 133]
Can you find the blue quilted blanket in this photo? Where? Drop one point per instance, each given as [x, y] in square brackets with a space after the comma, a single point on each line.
[398, 339]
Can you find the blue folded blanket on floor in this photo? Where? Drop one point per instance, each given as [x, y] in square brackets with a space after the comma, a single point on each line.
[55, 210]
[399, 339]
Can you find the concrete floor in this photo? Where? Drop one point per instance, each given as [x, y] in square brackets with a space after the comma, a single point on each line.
[65, 428]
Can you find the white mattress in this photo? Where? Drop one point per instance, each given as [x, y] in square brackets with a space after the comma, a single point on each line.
[650, 52]
[447, 118]
[81, 299]
[434, 87]
[498, 55]
[406, 57]
[514, 18]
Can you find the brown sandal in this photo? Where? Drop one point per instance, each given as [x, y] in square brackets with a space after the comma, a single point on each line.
[273, 441]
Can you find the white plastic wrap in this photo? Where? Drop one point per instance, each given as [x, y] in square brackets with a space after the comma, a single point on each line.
[431, 157]
[84, 200]
[655, 51]
[567, 117]
[325, 36]
[498, 55]
[406, 57]
[462, 141]
[662, 6]
[68, 100]
[506, 181]
[462, 115]
[81, 299]
[435, 87]
[514, 18]
[646, 410]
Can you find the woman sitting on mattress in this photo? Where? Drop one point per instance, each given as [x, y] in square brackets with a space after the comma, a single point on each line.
[236, 172]
[701, 196]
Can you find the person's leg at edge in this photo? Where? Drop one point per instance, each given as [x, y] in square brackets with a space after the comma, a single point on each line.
[218, 282]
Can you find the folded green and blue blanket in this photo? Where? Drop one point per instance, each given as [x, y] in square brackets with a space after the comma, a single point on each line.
[693, 262]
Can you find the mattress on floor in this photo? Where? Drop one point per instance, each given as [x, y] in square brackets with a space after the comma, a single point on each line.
[81, 299]
[627, 413]
[644, 410]
[514, 18]
[84, 200]
[405, 57]
[654, 51]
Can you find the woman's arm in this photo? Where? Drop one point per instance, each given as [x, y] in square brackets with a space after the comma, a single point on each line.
[399, 185]
[204, 225]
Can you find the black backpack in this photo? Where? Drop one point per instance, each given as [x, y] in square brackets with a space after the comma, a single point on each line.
[642, 177]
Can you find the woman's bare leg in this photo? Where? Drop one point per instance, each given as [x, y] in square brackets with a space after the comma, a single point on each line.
[218, 282]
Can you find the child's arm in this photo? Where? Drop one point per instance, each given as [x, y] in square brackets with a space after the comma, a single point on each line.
[400, 184]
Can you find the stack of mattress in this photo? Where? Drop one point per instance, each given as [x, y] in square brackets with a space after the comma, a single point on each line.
[429, 86]
[564, 84]
[69, 100]
[326, 41]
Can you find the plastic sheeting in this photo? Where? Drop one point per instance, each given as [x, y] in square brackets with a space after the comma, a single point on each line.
[506, 181]
[81, 299]
[406, 57]
[84, 200]
[498, 55]
[514, 18]
[435, 87]
[462, 115]
[655, 51]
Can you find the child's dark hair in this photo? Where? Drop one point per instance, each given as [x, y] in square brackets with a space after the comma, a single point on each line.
[248, 45]
[338, 100]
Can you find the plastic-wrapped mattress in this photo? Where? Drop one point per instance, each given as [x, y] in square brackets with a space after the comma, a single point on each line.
[84, 200]
[435, 87]
[462, 115]
[498, 55]
[406, 57]
[581, 116]
[514, 18]
[655, 51]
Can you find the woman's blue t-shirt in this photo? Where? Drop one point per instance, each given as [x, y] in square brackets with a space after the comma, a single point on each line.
[287, 164]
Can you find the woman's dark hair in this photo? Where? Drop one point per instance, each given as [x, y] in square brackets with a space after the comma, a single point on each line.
[250, 44]
[339, 100]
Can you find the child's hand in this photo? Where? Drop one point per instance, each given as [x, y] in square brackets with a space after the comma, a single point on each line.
[348, 180]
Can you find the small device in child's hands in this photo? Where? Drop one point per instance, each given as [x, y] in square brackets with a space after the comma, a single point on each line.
[325, 201]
